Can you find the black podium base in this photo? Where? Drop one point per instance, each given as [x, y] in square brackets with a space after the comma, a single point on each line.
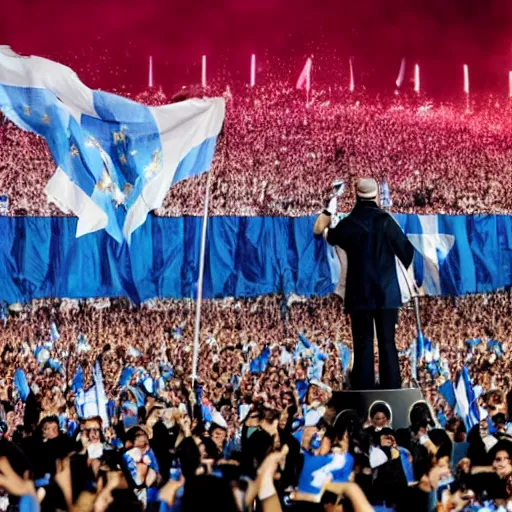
[400, 401]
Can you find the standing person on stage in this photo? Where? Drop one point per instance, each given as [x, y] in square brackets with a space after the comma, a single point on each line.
[371, 239]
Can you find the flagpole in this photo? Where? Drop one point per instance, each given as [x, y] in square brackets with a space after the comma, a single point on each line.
[253, 70]
[466, 85]
[197, 326]
[203, 72]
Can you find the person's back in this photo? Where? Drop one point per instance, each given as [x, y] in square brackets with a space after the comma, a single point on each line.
[371, 238]
[373, 242]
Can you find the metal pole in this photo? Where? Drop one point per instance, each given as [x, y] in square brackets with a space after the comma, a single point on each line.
[417, 313]
[197, 326]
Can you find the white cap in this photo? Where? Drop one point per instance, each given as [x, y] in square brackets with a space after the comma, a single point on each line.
[367, 188]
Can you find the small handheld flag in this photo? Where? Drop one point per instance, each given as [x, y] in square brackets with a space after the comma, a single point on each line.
[417, 78]
[54, 333]
[401, 74]
[352, 84]
[253, 70]
[304, 81]
[466, 400]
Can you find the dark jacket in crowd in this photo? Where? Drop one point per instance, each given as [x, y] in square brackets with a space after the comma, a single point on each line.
[371, 238]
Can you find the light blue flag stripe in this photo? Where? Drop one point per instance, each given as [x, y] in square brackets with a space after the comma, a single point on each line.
[245, 257]
[466, 404]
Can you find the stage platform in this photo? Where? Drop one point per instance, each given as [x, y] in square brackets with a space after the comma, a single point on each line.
[400, 401]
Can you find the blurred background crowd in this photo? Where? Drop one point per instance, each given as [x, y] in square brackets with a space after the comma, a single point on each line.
[436, 157]
[98, 408]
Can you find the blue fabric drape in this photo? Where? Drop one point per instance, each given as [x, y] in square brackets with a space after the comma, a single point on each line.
[245, 257]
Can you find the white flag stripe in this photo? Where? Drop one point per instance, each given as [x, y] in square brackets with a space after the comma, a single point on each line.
[41, 73]
[183, 126]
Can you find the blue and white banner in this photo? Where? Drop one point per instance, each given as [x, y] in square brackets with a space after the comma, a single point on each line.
[116, 159]
[454, 254]
[459, 254]
[40, 257]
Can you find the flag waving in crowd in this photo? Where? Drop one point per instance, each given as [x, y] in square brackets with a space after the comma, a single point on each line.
[304, 81]
[116, 159]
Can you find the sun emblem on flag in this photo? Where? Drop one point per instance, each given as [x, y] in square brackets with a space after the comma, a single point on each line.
[28, 111]
[74, 151]
[46, 119]
[105, 183]
[120, 136]
[155, 166]
[91, 142]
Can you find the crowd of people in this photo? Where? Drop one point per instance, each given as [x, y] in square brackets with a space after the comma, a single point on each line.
[435, 157]
[98, 406]
[267, 368]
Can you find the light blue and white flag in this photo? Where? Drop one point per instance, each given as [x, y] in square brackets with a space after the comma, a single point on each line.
[4, 313]
[447, 391]
[385, 195]
[473, 343]
[86, 403]
[495, 346]
[318, 470]
[466, 400]
[101, 396]
[54, 333]
[4, 205]
[316, 367]
[116, 159]
[126, 376]
[21, 384]
[345, 355]
[302, 348]
[83, 345]
[259, 364]
[77, 383]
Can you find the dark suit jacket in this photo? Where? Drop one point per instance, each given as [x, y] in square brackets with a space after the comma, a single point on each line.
[371, 238]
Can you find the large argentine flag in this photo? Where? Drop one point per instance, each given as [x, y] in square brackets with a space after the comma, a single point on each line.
[116, 159]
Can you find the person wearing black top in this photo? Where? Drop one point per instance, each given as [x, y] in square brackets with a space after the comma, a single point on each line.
[372, 241]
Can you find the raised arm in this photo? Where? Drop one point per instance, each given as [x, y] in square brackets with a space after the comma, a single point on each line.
[322, 221]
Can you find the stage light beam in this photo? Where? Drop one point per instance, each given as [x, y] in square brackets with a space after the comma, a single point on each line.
[417, 78]
[203, 72]
[253, 70]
